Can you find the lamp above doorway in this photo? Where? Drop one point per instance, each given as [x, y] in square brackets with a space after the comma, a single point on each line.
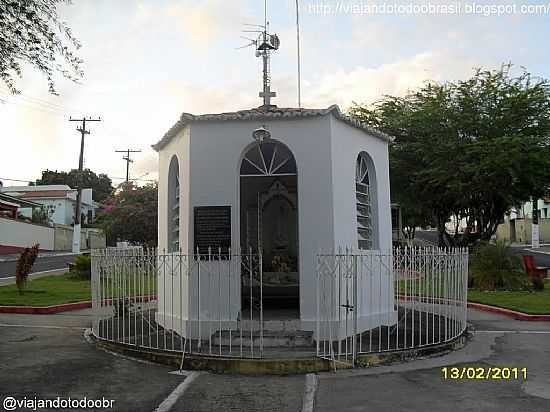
[261, 134]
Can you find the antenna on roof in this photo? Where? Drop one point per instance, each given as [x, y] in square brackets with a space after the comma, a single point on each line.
[265, 44]
[298, 54]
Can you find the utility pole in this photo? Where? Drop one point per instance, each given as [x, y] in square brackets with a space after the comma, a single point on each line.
[83, 133]
[128, 160]
[535, 236]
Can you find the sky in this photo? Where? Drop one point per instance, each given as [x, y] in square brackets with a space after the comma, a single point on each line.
[147, 61]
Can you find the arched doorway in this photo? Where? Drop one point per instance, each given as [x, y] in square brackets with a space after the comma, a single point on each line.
[269, 219]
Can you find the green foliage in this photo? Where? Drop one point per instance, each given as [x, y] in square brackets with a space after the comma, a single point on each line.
[101, 184]
[40, 216]
[131, 215]
[24, 266]
[83, 266]
[31, 33]
[495, 266]
[470, 149]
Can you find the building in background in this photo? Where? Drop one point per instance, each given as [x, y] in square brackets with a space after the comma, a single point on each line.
[58, 201]
[517, 225]
[526, 210]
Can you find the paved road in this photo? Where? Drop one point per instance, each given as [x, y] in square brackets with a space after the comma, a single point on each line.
[541, 259]
[429, 236]
[47, 356]
[7, 269]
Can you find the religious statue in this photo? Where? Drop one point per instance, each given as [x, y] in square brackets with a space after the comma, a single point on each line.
[281, 235]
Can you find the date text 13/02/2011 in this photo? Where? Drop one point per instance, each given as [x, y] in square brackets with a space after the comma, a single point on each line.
[484, 373]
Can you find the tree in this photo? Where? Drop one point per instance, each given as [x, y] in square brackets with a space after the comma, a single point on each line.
[31, 32]
[131, 215]
[467, 150]
[25, 261]
[101, 184]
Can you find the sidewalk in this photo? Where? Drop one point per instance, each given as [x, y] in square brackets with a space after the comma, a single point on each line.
[543, 249]
[35, 275]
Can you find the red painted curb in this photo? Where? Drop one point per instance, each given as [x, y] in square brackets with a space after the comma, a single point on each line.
[45, 310]
[508, 312]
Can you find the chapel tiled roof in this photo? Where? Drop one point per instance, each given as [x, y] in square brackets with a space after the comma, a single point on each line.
[269, 113]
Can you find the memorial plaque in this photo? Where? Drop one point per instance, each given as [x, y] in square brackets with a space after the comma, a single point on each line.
[212, 229]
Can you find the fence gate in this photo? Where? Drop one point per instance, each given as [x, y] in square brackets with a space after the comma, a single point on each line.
[373, 302]
[336, 307]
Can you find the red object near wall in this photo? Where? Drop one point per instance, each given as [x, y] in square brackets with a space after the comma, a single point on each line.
[532, 270]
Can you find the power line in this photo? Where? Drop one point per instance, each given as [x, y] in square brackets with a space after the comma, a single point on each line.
[33, 107]
[110, 177]
[137, 179]
[34, 103]
[16, 180]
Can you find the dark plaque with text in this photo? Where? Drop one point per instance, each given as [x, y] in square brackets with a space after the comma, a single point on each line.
[212, 229]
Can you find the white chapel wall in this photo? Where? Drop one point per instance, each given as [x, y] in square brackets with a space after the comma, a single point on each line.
[216, 152]
[173, 303]
[376, 293]
[347, 143]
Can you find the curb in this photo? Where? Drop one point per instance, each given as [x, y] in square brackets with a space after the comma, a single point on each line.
[64, 307]
[46, 310]
[508, 312]
[280, 366]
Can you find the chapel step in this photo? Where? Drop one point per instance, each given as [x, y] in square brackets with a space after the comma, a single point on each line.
[271, 339]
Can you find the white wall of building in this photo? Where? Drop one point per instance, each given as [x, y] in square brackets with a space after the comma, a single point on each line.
[173, 309]
[14, 233]
[375, 297]
[216, 152]
[347, 143]
[325, 150]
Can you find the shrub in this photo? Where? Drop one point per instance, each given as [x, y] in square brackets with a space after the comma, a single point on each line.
[83, 266]
[538, 283]
[24, 266]
[495, 266]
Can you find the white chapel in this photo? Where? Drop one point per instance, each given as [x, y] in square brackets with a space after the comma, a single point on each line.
[286, 183]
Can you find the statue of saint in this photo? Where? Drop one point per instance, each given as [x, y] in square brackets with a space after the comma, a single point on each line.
[281, 232]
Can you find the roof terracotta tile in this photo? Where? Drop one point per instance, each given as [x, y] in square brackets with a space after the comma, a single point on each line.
[267, 113]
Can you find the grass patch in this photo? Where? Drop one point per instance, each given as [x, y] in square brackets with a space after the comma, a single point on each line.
[47, 291]
[69, 288]
[533, 303]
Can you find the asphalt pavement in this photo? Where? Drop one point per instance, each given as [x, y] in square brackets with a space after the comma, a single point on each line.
[541, 256]
[43, 263]
[46, 356]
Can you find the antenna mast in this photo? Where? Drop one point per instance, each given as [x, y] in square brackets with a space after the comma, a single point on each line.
[298, 54]
[265, 45]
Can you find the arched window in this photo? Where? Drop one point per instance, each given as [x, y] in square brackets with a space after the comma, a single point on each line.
[268, 159]
[173, 214]
[365, 184]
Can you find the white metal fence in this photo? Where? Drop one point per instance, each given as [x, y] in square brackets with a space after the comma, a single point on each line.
[379, 302]
[204, 303]
[213, 304]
